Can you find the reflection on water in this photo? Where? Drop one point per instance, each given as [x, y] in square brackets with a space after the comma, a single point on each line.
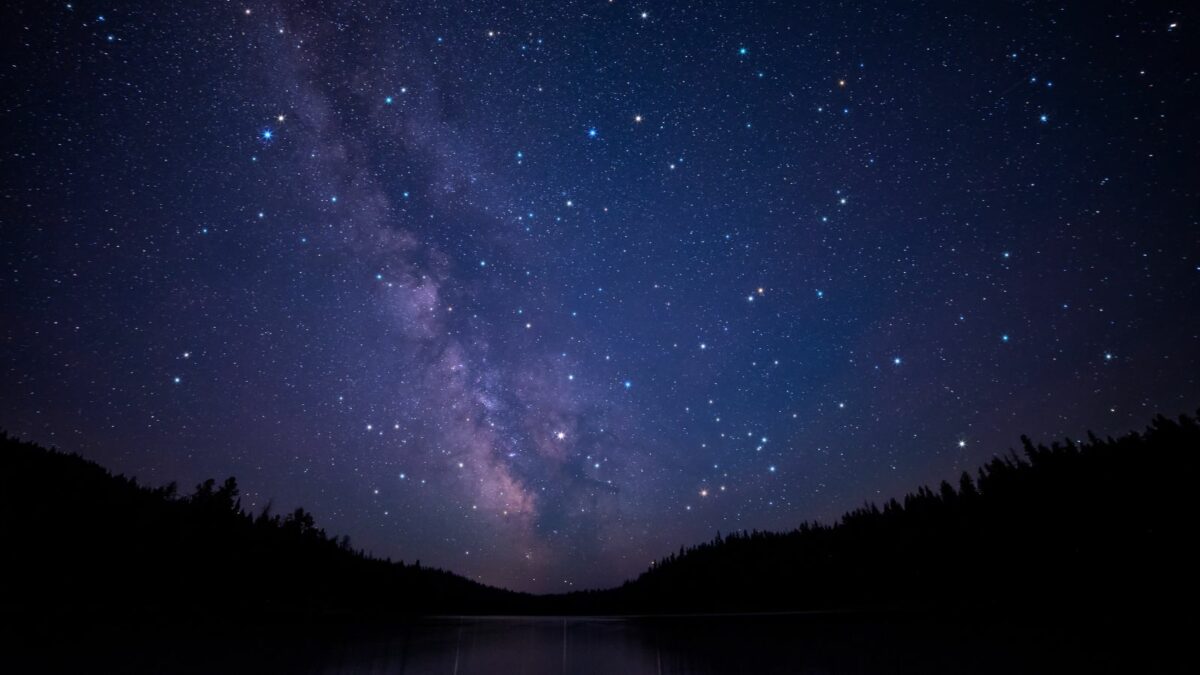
[814, 643]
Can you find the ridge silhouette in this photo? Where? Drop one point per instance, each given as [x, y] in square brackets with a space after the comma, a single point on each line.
[1102, 523]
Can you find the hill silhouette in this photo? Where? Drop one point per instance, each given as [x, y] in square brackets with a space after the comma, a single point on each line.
[1101, 523]
[1098, 523]
[82, 541]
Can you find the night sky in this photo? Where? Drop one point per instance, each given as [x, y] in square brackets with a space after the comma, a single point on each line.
[540, 292]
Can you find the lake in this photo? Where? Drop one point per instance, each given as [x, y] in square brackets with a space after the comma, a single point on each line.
[788, 643]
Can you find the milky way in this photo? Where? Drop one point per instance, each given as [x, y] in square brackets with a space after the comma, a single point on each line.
[541, 292]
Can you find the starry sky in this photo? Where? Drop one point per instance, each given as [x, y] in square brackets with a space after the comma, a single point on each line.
[539, 292]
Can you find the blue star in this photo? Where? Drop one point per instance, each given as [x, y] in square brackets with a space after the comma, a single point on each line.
[267, 134]
[388, 100]
[742, 51]
[896, 361]
[628, 384]
[592, 133]
[1044, 118]
[1004, 338]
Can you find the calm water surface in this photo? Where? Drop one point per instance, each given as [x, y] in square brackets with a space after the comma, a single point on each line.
[624, 646]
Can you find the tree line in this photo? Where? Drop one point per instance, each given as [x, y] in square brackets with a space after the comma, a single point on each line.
[1092, 523]
[82, 541]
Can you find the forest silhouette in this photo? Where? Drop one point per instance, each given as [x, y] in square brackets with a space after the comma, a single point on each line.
[1099, 523]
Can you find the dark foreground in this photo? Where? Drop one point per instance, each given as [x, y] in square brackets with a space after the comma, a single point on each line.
[807, 643]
